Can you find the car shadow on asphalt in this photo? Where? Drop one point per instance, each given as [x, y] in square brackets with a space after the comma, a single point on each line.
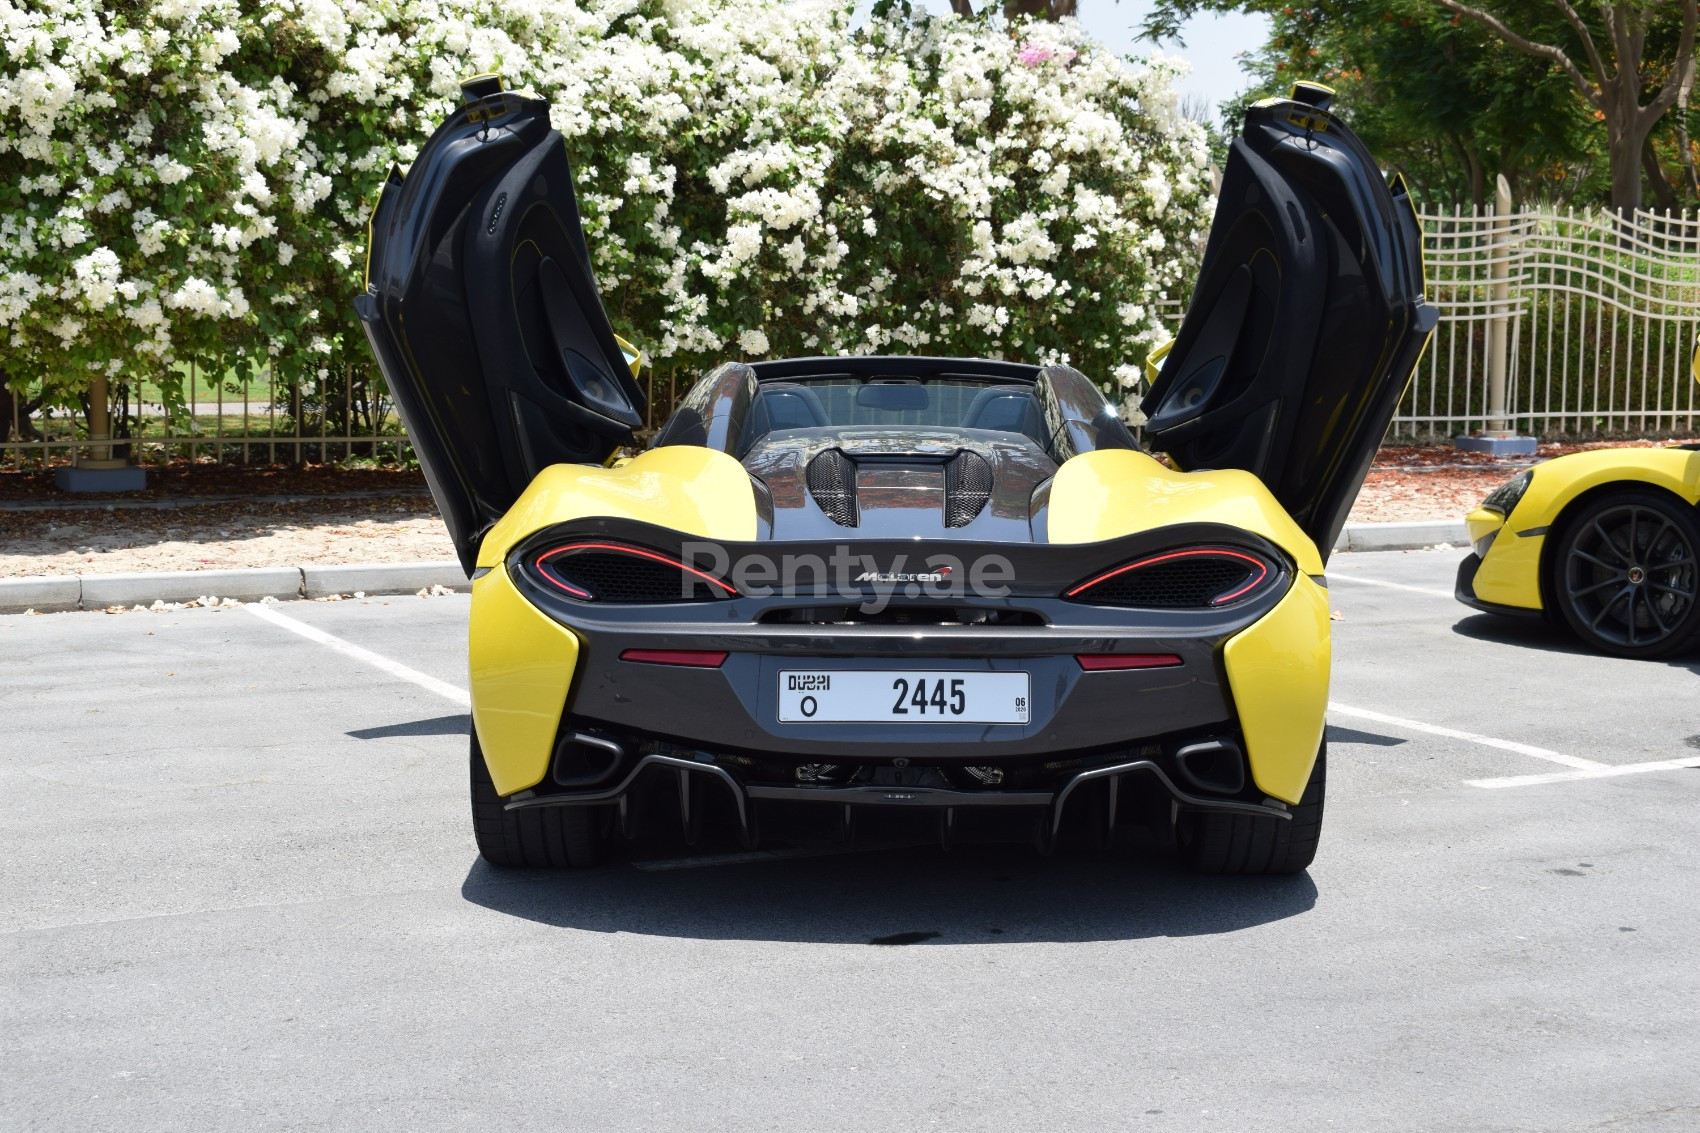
[1538, 634]
[910, 895]
[459, 724]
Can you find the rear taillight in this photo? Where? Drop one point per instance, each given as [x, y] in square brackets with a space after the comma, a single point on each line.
[618, 572]
[1194, 578]
[693, 658]
[1099, 662]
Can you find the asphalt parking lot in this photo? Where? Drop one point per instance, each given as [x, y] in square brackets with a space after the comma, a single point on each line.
[241, 893]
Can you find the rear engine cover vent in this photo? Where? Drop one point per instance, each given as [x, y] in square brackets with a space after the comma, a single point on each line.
[832, 482]
[967, 487]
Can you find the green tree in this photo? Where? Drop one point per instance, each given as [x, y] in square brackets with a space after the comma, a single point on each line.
[1637, 60]
[1438, 97]
[1631, 87]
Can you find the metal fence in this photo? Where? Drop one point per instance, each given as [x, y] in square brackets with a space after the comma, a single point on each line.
[1600, 315]
[1600, 318]
[256, 418]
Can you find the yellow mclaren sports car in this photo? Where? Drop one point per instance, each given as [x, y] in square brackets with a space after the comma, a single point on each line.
[894, 592]
[1605, 542]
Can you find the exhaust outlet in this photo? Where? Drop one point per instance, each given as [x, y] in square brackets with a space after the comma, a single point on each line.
[1217, 766]
[586, 760]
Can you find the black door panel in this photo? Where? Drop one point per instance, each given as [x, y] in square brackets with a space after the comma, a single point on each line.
[483, 312]
[1306, 323]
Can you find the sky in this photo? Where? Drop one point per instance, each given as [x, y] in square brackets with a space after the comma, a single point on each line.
[1212, 41]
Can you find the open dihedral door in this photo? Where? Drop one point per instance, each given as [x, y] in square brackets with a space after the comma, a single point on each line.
[482, 310]
[1307, 321]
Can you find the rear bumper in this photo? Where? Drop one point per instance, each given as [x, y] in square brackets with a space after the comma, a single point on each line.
[735, 707]
[1050, 805]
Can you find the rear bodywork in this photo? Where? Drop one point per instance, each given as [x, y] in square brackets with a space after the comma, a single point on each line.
[1253, 673]
[634, 622]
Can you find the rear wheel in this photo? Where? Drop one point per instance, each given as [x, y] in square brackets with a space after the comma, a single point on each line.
[555, 837]
[1625, 576]
[1245, 844]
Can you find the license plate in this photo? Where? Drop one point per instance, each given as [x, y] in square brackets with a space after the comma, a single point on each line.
[899, 696]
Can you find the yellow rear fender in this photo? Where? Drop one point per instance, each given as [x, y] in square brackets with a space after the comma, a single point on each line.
[1510, 573]
[688, 488]
[1278, 670]
[1109, 493]
[521, 663]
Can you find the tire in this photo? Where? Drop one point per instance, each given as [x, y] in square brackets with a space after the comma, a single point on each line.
[1626, 574]
[556, 837]
[1244, 844]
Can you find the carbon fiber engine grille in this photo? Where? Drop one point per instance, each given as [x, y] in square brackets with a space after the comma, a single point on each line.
[1194, 582]
[617, 576]
[967, 487]
[832, 482]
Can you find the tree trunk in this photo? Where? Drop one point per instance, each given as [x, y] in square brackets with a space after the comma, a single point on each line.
[1477, 174]
[1664, 196]
[17, 412]
[1690, 178]
[1051, 10]
[1623, 142]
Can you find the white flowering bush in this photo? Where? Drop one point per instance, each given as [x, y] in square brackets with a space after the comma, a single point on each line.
[190, 179]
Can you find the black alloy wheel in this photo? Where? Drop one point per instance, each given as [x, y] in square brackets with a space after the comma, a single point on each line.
[1627, 574]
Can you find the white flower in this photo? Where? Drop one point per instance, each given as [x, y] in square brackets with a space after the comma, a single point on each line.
[170, 171]
[981, 178]
[97, 277]
[743, 242]
[196, 296]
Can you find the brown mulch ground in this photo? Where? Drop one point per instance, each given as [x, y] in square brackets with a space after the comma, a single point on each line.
[1439, 482]
[282, 516]
[210, 516]
[217, 535]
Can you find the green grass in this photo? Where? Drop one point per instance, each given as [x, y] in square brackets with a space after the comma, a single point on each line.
[206, 391]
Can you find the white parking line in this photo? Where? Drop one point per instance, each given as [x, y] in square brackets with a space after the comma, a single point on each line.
[1605, 772]
[1333, 574]
[1469, 737]
[348, 649]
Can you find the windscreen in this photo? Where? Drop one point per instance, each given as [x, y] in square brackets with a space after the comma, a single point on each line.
[841, 402]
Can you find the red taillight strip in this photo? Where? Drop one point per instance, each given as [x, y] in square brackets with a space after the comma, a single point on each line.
[573, 590]
[698, 658]
[1097, 662]
[1262, 570]
[621, 548]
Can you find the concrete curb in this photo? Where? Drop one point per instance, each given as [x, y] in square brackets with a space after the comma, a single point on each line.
[1411, 536]
[102, 590]
[98, 591]
[380, 578]
[55, 592]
